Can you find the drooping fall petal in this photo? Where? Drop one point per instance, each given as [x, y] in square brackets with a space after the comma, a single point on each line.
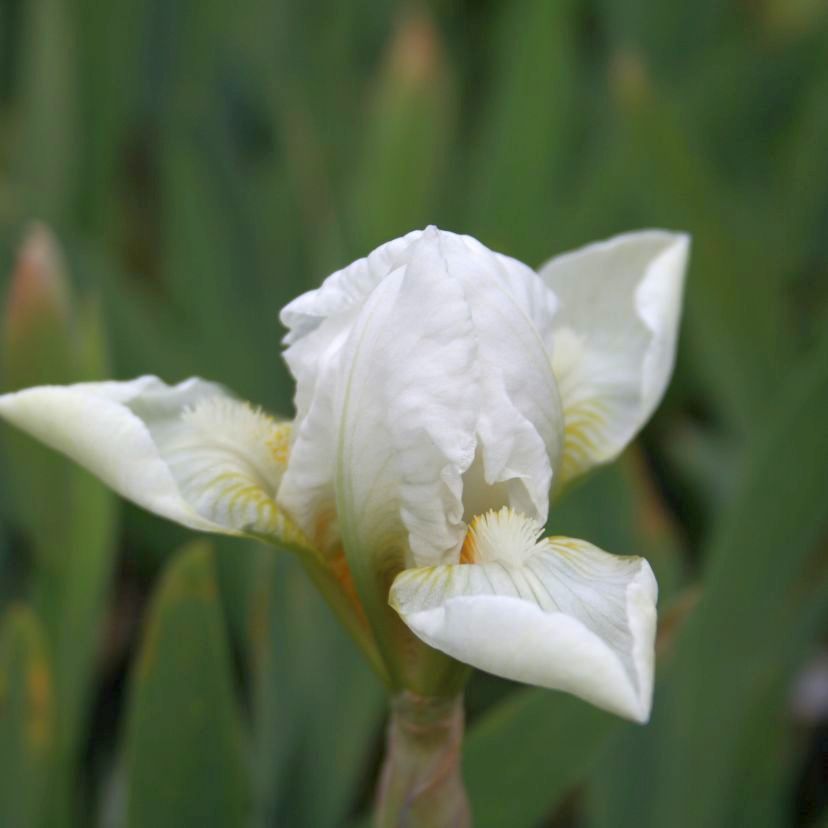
[557, 613]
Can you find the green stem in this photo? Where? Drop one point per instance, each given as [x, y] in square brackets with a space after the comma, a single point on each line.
[421, 785]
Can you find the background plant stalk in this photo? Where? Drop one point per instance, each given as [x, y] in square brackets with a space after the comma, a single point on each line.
[421, 784]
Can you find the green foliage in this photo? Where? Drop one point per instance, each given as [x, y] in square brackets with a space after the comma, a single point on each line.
[49, 337]
[527, 754]
[758, 607]
[527, 128]
[407, 136]
[185, 763]
[756, 621]
[308, 683]
[27, 718]
[201, 166]
[44, 157]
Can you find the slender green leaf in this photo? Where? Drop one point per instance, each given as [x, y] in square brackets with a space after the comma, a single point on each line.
[740, 642]
[184, 751]
[27, 719]
[109, 40]
[68, 515]
[736, 314]
[317, 705]
[528, 753]
[45, 165]
[407, 136]
[528, 127]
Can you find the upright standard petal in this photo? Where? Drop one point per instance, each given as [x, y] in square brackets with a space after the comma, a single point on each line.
[519, 426]
[307, 488]
[614, 339]
[188, 452]
[557, 613]
[344, 289]
[407, 410]
[319, 323]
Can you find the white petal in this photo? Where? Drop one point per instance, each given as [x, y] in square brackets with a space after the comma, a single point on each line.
[307, 488]
[188, 452]
[407, 413]
[520, 421]
[558, 613]
[614, 339]
[344, 289]
[318, 323]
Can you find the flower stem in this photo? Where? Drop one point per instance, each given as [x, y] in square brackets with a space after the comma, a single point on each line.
[421, 785]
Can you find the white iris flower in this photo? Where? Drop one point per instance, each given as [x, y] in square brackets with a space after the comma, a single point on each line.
[444, 393]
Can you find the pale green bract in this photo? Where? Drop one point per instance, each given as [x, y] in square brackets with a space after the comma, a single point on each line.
[444, 393]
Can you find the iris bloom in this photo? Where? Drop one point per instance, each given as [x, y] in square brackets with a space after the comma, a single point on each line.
[444, 394]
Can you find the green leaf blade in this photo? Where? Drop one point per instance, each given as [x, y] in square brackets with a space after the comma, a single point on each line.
[27, 718]
[185, 765]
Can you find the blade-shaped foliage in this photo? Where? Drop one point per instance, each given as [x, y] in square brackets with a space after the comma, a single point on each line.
[185, 762]
[317, 705]
[407, 137]
[748, 633]
[527, 127]
[67, 516]
[27, 719]
[45, 169]
[528, 753]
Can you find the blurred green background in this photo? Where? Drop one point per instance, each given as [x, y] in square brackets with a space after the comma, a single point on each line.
[202, 162]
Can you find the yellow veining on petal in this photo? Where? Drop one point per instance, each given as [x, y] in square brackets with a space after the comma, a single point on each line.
[251, 434]
[566, 548]
[229, 458]
[585, 414]
[279, 442]
[584, 423]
